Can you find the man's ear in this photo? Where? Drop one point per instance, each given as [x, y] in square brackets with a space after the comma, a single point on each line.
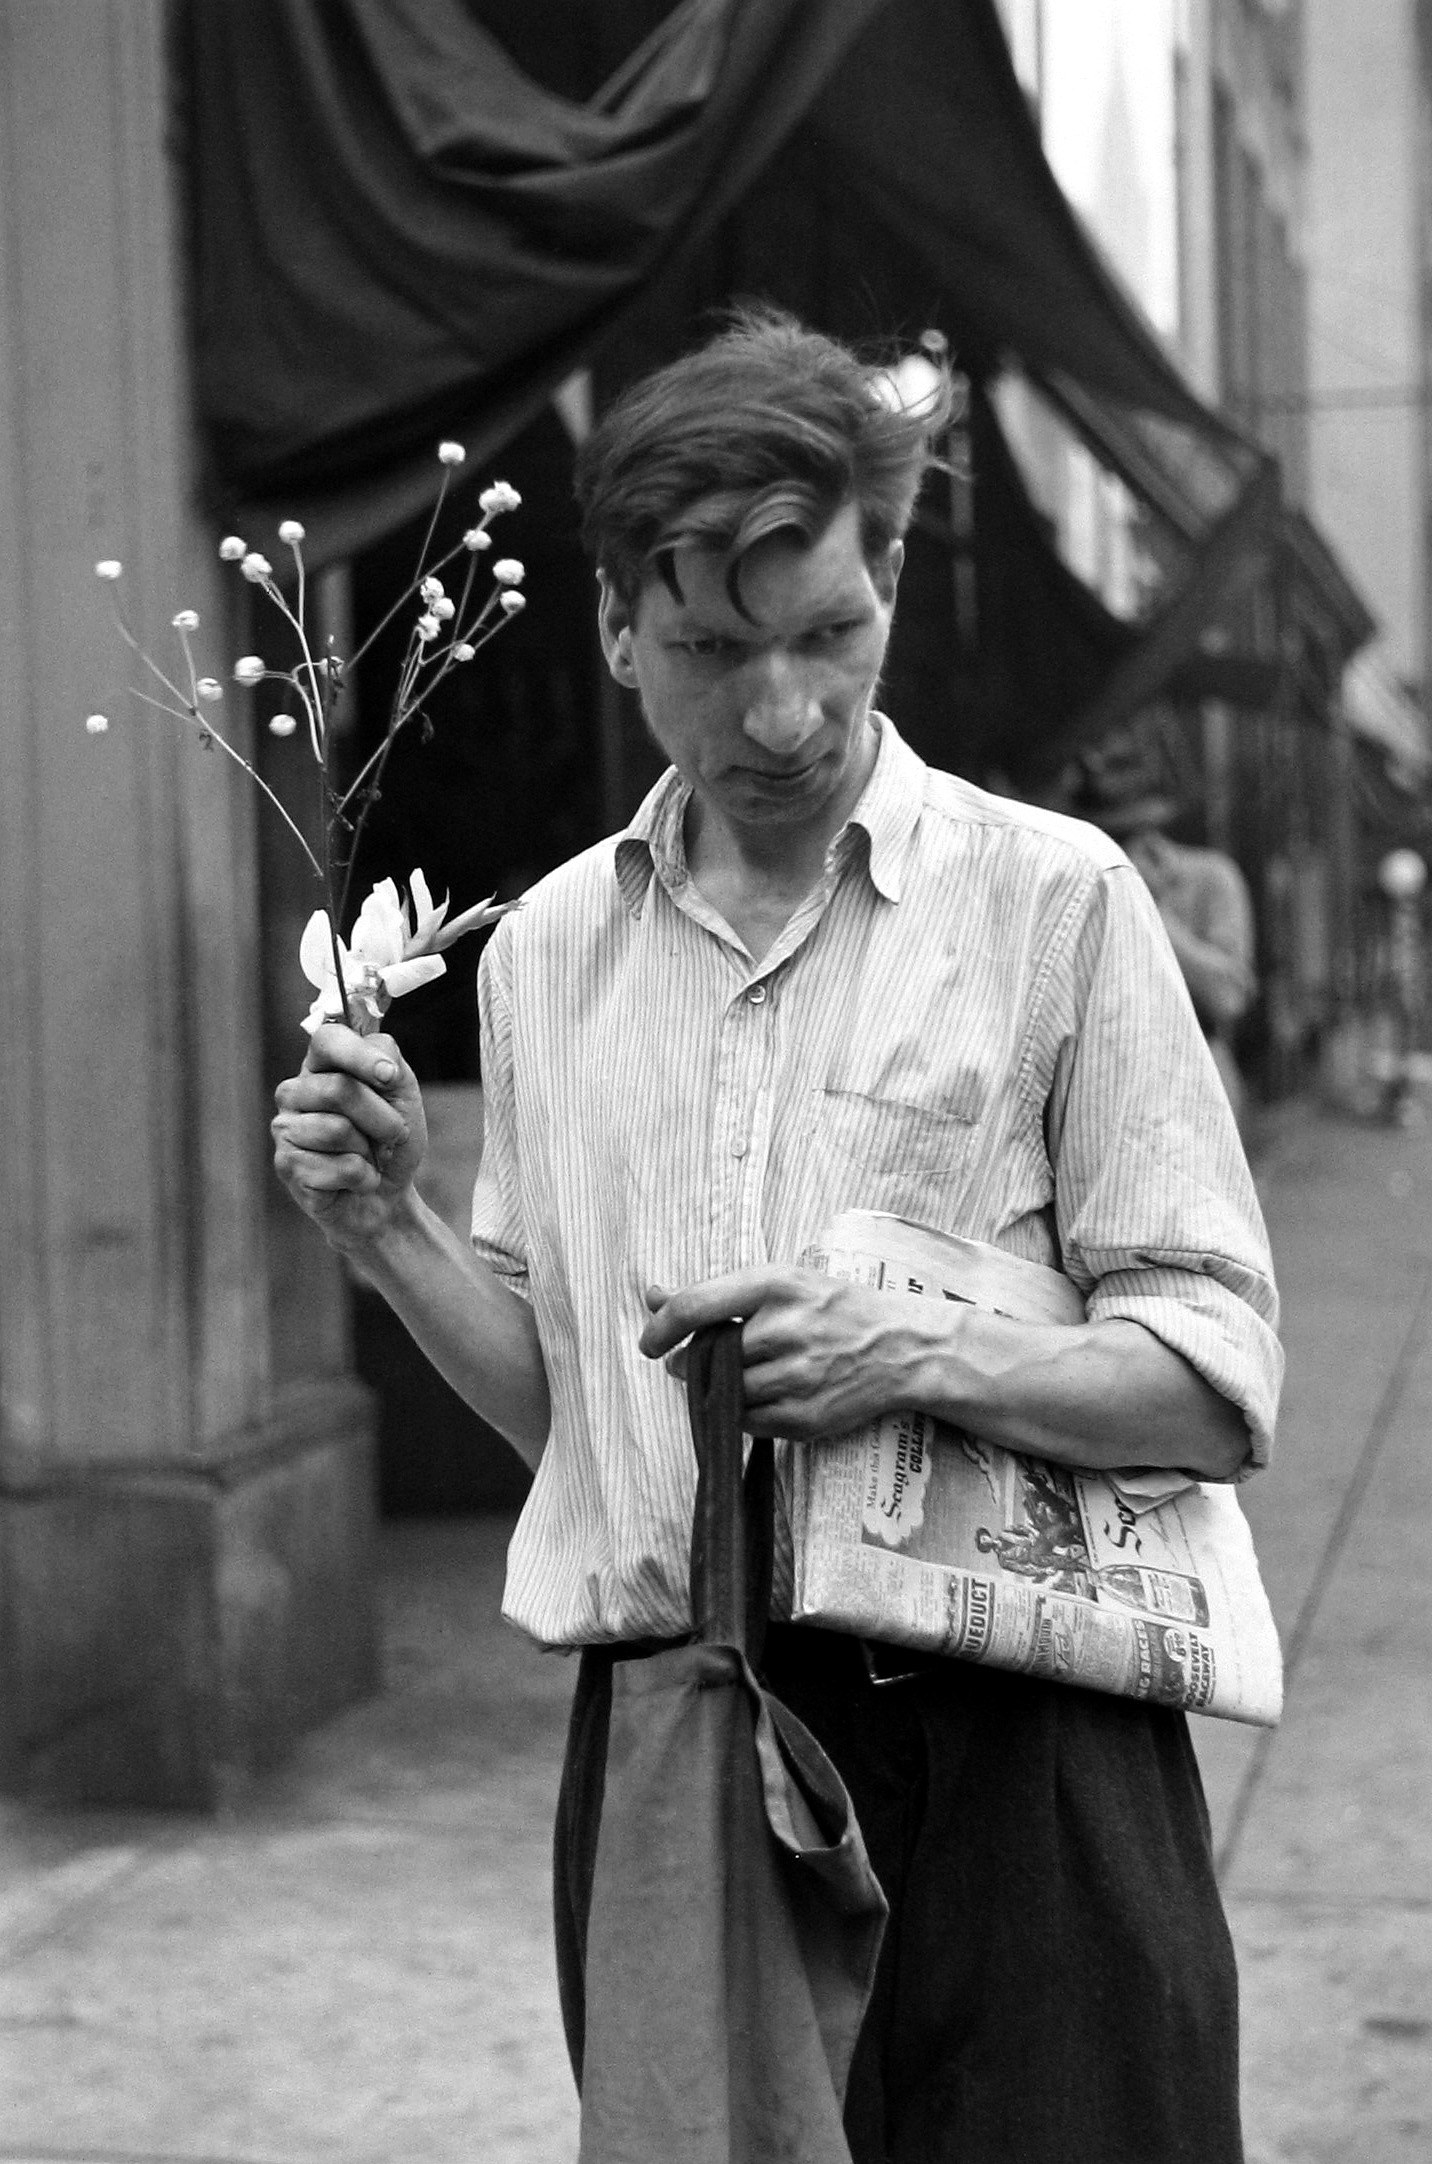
[886, 574]
[614, 626]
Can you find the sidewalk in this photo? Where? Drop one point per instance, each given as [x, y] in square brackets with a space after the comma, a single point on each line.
[357, 1966]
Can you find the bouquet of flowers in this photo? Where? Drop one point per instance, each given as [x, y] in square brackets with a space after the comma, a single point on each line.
[397, 941]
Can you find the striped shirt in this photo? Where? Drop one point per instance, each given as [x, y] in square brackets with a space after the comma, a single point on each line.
[975, 1020]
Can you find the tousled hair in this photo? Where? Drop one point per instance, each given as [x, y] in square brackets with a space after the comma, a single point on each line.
[769, 428]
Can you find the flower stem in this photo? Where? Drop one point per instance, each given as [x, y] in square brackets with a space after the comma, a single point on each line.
[188, 714]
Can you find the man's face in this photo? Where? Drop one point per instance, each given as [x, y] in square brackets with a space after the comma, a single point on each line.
[766, 714]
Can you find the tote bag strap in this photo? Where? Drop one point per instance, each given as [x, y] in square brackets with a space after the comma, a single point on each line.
[731, 1534]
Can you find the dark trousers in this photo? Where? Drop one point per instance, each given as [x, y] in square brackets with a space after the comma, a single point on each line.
[1057, 1978]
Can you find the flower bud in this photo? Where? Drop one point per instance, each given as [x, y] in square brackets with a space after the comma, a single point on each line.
[97, 724]
[476, 538]
[508, 571]
[232, 550]
[282, 725]
[431, 590]
[109, 568]
[451, 454]
[463, 652]
[443, 609]
[209, 687]
[187, 620]
[427, 627]
[500, 496]
[256, 568]
[290, 532]
[249, 669]
[512, 603]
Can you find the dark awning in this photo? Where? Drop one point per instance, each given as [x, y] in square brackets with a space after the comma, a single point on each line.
[401, 236]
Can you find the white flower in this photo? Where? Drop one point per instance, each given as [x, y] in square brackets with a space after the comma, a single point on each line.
[500, 496]
[477, 537]
[249, 669]
[187, 620]
[508, 571]
[256, 568]
[427, 628]
[451, 454]
[109, 567]
[290, 532]
[209, 687]
[376, 964]
[97, 724]
[463, 652]
[282, 725]
[232, 550]
[512, 604]
[432, 590]
[394, 948]
[444, 610]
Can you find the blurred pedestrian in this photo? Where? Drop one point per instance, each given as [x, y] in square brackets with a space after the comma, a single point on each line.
[1130, 788]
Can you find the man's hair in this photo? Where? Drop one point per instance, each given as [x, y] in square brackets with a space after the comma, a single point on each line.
[768, 428]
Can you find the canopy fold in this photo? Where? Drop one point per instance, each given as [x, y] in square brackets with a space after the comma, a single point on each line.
[401, 236]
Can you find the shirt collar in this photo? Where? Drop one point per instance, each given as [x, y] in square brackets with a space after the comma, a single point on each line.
[886, 814]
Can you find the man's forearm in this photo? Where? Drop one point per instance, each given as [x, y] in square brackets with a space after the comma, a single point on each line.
[476, 1332]
[1100, 1395]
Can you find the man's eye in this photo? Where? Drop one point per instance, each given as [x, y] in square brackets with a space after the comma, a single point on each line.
[705, 645]
[832, 634]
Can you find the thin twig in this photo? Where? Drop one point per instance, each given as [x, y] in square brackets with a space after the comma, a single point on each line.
[188, 714]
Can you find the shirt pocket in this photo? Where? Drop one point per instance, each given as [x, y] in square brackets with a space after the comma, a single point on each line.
[899, 1128]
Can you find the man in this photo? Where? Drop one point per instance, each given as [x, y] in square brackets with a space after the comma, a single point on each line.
[811, 975]
[1201, 894]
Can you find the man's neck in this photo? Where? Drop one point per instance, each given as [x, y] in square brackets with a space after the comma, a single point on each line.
[758, 876]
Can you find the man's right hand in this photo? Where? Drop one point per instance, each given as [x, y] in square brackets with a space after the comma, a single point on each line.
[349, 1133]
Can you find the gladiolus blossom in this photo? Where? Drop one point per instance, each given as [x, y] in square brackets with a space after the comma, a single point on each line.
[395, 947]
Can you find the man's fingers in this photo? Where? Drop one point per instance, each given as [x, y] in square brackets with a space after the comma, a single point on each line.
[350, 1174]
[720, 1299]
[327, 1132]
[375, 1060]
[337, 1093]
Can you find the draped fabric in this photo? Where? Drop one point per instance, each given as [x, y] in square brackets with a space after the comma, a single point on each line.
[402, 235]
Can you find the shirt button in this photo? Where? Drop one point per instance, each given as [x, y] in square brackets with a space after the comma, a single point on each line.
[757, 995]
[738, 1149]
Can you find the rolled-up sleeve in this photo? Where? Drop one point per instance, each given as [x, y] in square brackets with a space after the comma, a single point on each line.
[498, 1234]
[1157, 1215]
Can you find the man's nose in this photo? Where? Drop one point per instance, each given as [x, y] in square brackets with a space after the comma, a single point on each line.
[782, 709]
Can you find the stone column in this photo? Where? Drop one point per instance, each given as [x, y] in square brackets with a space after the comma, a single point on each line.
[185, 1543]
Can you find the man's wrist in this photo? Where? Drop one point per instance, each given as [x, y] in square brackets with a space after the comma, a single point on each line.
[378, 1248]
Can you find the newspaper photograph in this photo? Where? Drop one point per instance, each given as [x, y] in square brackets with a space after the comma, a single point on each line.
[913, 1533]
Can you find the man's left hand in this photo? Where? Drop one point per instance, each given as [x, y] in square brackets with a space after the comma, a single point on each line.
[821, 1356]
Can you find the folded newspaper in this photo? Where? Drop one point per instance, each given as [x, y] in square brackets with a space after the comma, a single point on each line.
[913, 1533]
